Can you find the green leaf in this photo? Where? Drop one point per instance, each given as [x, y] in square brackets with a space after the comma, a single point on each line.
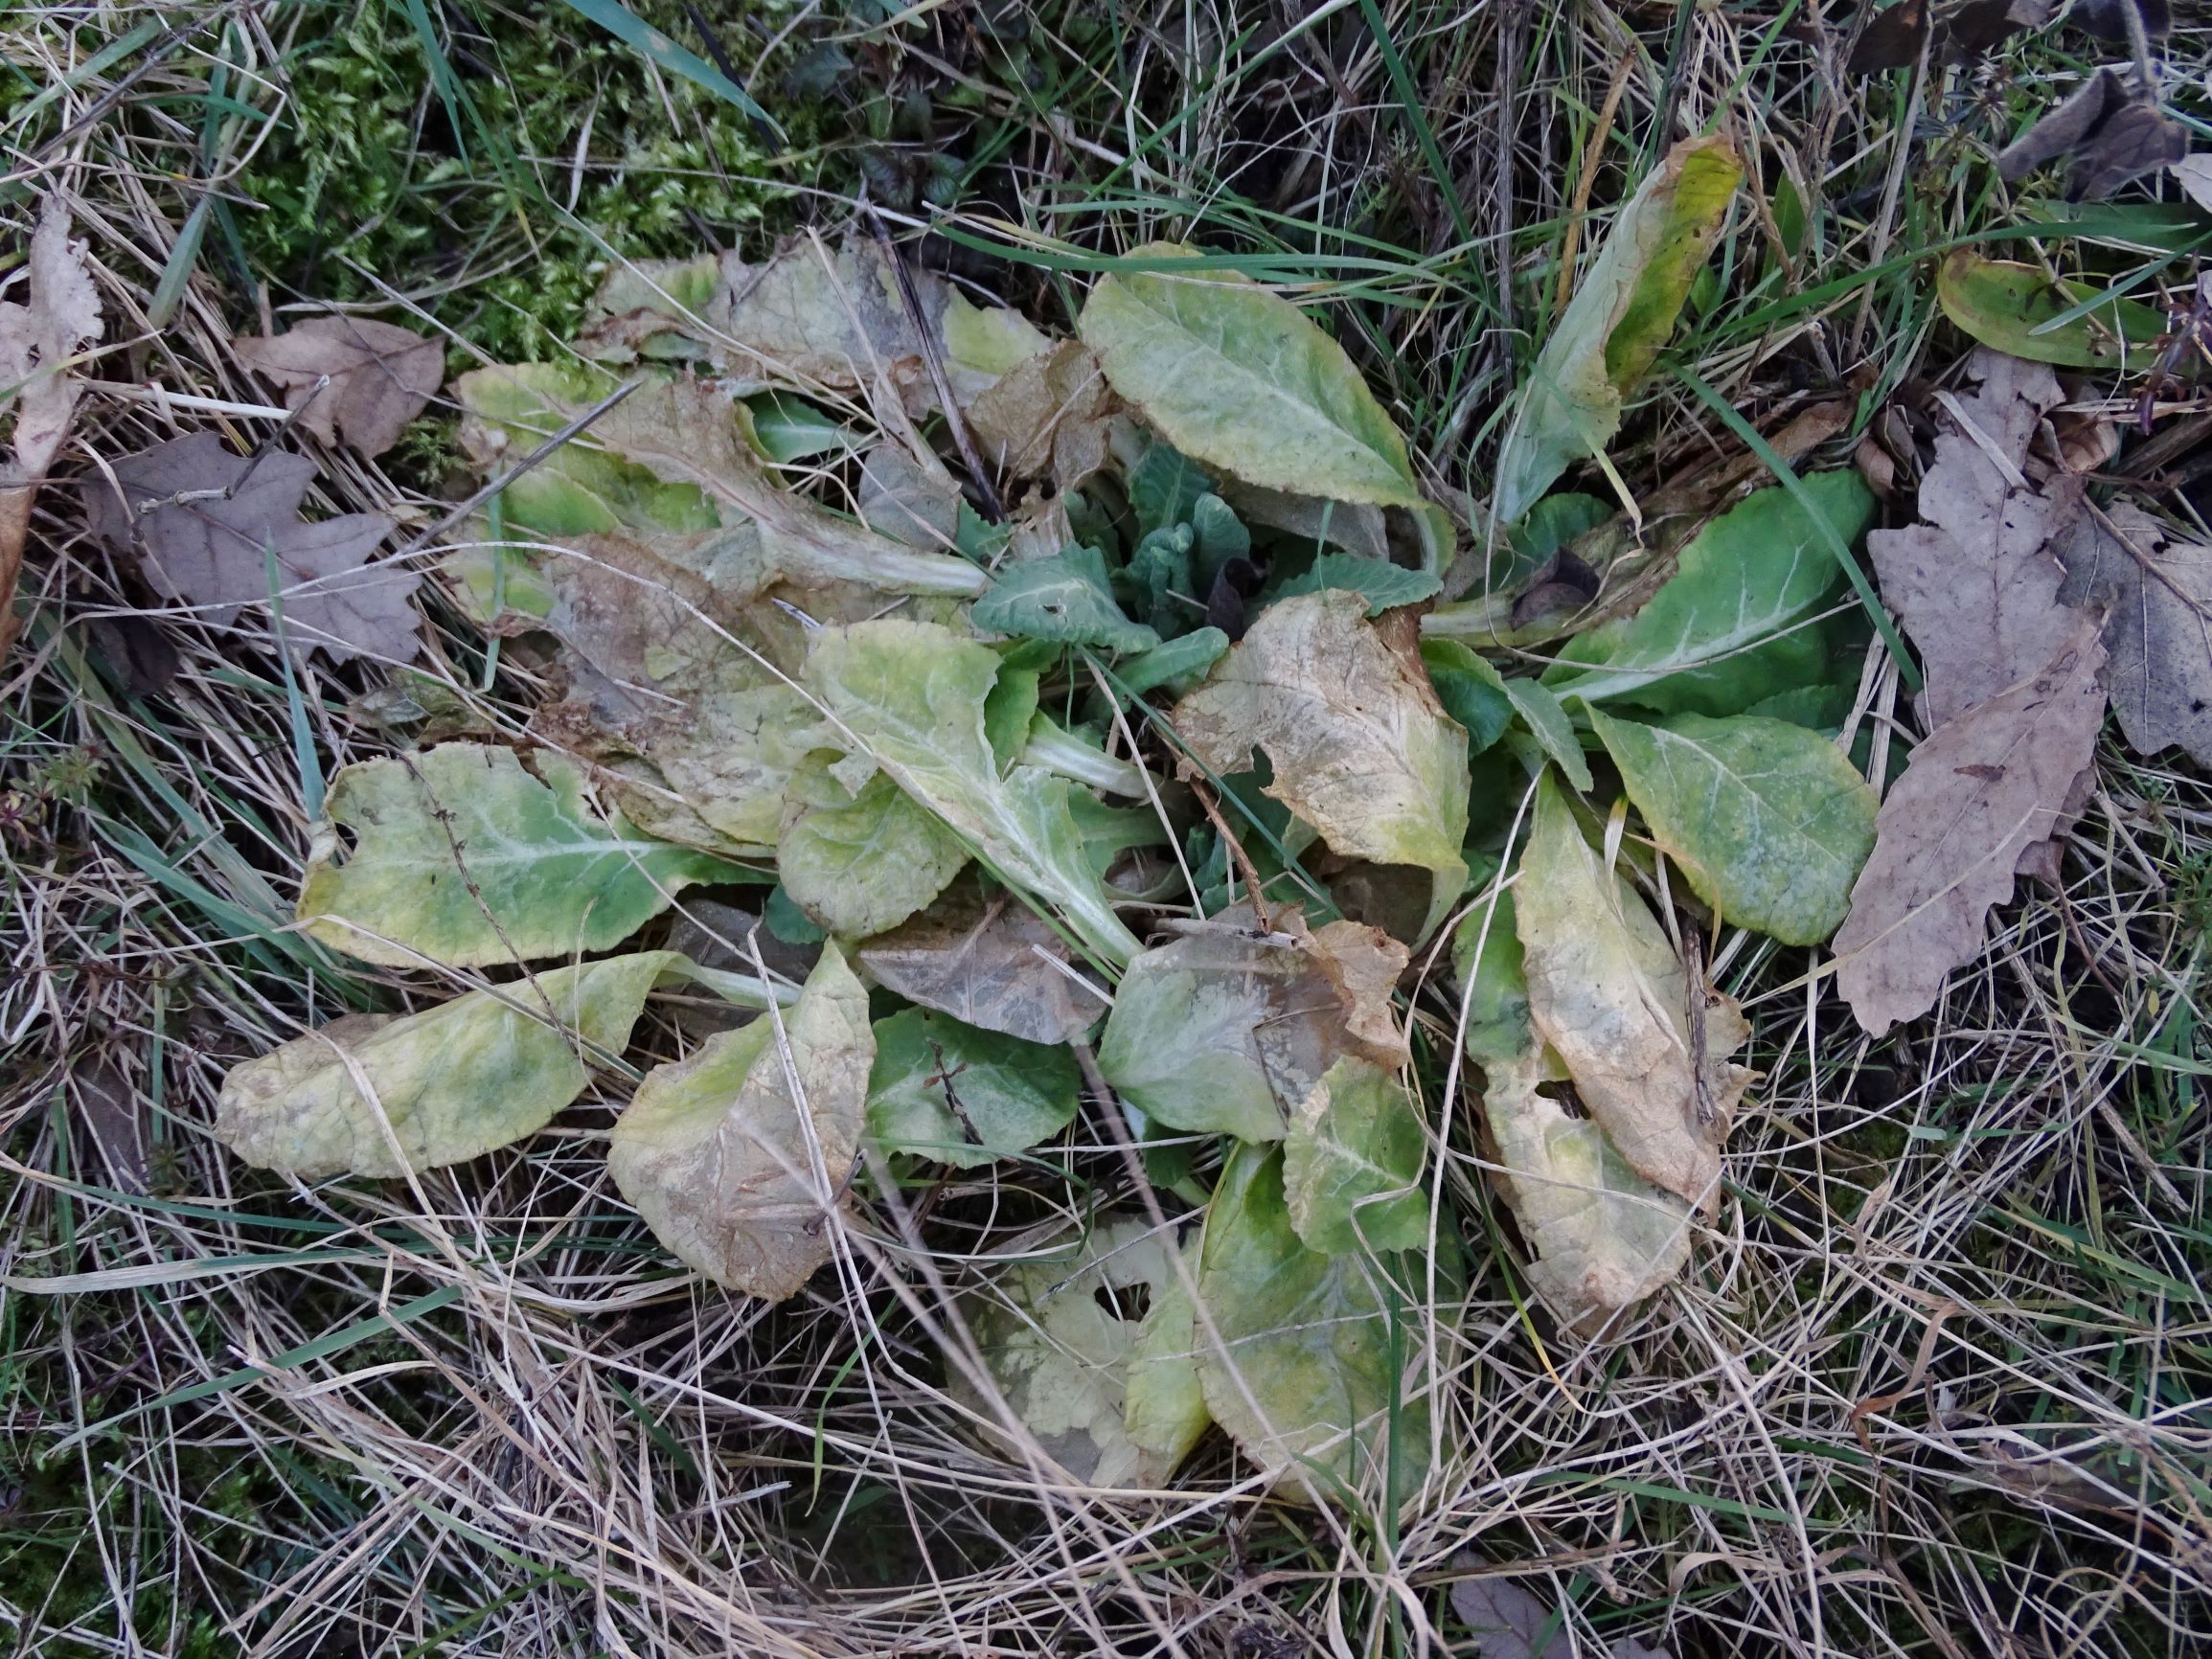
[1822, 708]
[1728, 627]
[1159, 574]
[1486, 949]
[860, 863]
[1555, 522]
[463, 858]
[1218, 535]
[1063, 598]
[2010, 307]
[912, 697]
[786, 922]
[738, 1156]
[1352, 1164]
[955, 1095]
[1307, 1375]
[1472, 692]
[1177, 664]
[1109, 1395]
[1010, 711]
[1768, 821]
[1363, 751]
[1384, 585]
[1239, 378]
[787, 429]
[1623, 312]
[632, 31]
[1165, 487]
[377, 1096]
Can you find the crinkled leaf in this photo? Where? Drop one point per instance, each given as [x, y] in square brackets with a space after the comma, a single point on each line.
[461, 857]
[1730, 625]
[1304, 1375]
[2157, 590]
[1228, 1028]
[1607, 991]
[39, 337]
[1362, 750]
[1352, 1164]
[1165, 487]
[1160, 577]
[858, 862]
[1046, 416]
[1091, 1350]
[1239, 378]
[2004, 304]
[911, 695]
[442, 1086]
[986, 959]
[1766, 820]
[381, 376]
[736, 1156]
[1217, 535]
[1384, 586]
[1622, 313]
[1065, 598]
[956, 1094]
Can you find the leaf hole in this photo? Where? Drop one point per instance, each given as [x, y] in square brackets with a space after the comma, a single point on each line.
[1131, 1302]
[1569, 1102]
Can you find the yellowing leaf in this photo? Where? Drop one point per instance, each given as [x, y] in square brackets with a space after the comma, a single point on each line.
[1623, 312]
[1362, 750]
[1352, 1164]
[859, 863]
[1239, 378]
[2004, 305]
[461, 857]
[1769, 821]
[955, 1095]
[373, 1095]
[1607, 991]
[737, 1156]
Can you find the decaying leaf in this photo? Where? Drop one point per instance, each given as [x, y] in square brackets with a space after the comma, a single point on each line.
[2114, 132]
[958, 1095]
[1230, 1027]
[738, 1156]
[860, 861]
[911, 696]
[1623, 312]
[381, 376]
[1509, 1621]
[373, 1094]
[2010, 307]
[1047, 416]
[1361, 748]
[1766, 820]
[207, 526]
[1608, 992]
[1985, 789]
[1304, 1375]
[1352, 1164]
[2155, 590]
[2193, 174]
[1091, 1350]
[1977, 586]
[461, 857]
[989, 959]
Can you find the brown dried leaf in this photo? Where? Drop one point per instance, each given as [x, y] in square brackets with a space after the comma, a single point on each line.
[1047, 415]
[381, 376]
[1977, 587]
[1987, 789]
[987, 959]
[1892, 40]
[60, 313]
[203, 520]
[2156, 592]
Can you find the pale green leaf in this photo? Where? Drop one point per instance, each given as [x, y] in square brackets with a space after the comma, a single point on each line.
[1065, 598]
[736, 753]
[1729, 627]
[1768, 821]
[859, 863]
[738, 1156]
[1177, 664]
[1352, 1164]
[1384, 585]
[373, 1094]
[1623, 312]
[463, 858]
[1239, 378]
[787, 429]
[956, 1094]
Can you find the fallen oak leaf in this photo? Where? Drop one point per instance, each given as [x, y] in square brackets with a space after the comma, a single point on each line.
[380, 376]
[2155, 590]
[1980, 794]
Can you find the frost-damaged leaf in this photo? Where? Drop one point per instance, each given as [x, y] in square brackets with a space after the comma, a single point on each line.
[1621, 315]
[1768, 821]
[857, 862]
[2004, 306]
[463, 858]
[738, 1156]
[734, 758]
[1229, 1028]
[1047, 415]
[2158, 592]
[1607, 991]
[1092, 1350]
[1352, 1164]
[955, 1095]
[1304, 1375]
[1065, 598]
[986, 959]
[1985, 789]
[381, 376]
[1242, 379]
[1383, 586]
[912, 697]
[452, 1083]
[1977, 586]
[1735, 621]
[203, 521]
[1361, 748]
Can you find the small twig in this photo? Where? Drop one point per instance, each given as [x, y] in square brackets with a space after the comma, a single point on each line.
[969, 457]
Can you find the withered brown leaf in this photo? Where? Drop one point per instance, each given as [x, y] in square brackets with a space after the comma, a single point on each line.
[381, 376]
[2155, 590]
[986, 959]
